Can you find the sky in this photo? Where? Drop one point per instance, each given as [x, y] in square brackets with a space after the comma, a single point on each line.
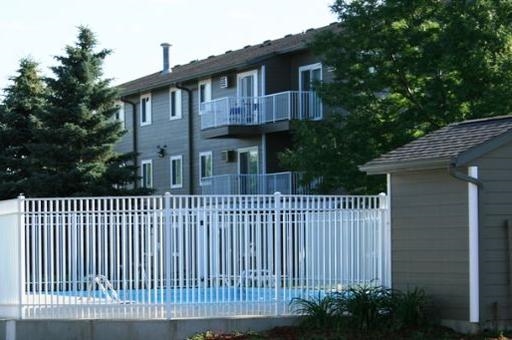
[134, 29]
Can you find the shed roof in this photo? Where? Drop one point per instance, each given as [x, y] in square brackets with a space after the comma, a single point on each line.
[215, 64]
[456, 144]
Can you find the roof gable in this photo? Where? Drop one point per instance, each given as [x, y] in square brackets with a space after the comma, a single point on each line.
[457, 143]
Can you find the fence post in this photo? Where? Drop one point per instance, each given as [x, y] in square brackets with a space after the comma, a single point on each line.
[278, 244]
[12, 251]
[385, 233]
[167, 252]
[21, 252]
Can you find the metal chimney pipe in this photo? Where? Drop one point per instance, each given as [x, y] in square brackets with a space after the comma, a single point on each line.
[165, 48]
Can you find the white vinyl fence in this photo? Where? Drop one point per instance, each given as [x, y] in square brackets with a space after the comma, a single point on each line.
[180, 256]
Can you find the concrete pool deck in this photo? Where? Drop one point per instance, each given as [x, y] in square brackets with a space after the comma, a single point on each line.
[155, 312]
[134, 329]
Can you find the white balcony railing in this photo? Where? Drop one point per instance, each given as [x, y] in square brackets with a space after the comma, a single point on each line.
[301, 105]
[254, 184]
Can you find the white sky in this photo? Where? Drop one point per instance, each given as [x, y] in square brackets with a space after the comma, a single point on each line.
[134, 29]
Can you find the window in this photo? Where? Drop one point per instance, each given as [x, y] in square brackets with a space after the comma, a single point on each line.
[247, 84]
[310, 106]
[205, 92]
[176, 171]
[145, 109]
[175, 103]
[146, 169]
[205, 165]
[309, 75]
[119, 116]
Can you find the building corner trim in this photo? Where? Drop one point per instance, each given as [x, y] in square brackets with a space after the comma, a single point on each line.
[474, 270]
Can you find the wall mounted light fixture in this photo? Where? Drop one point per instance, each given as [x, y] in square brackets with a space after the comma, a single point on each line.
[162, 151]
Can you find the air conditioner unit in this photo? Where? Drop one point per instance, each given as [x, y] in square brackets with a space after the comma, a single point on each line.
[228, 156]
[224, 82]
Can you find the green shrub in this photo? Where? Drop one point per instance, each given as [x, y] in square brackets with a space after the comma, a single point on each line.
[317, 313]
[409, 308]
[365, 307]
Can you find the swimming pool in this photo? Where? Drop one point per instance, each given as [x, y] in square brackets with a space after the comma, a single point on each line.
[181, 295]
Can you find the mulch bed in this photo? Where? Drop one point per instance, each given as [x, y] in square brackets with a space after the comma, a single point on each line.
[297, 333]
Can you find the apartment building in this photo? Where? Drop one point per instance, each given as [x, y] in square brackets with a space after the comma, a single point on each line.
[217, 125]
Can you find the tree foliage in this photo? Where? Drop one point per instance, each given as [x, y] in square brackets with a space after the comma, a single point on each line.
[402, 69]
[58, 135]
[24, 100]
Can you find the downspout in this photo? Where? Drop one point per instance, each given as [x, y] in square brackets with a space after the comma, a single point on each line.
[135, 142]
[190, 138]
[452, 170]
[473, 220]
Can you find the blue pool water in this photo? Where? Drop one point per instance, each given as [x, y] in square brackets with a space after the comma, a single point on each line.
[197, 295]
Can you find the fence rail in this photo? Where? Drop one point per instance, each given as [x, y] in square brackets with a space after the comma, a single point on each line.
[179, 254]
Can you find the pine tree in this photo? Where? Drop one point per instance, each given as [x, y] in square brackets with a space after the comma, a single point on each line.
[74, 153]
[24, 100]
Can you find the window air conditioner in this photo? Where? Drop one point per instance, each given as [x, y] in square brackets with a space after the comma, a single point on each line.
[223, 82]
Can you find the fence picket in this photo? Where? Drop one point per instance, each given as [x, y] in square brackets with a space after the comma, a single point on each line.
[176, 256]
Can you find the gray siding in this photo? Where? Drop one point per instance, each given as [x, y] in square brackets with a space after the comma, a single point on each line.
[281, 74]
[278, 75]
[216, 145]
[276, 143]
[162, 131]
[495, 171]
[430, 238]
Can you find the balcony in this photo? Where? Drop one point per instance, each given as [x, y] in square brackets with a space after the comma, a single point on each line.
[254, 184]
[254, 115]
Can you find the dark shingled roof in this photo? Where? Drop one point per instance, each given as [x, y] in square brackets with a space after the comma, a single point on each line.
[227, 61]
[457, 142]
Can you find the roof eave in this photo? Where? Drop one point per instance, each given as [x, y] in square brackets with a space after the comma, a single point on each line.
[422, 164]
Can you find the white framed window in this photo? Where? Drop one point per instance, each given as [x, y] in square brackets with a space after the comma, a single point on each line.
[247, 84]
[176, 171]
[146, 173]
[308, 75]
[205, 165]
[310, 106]
[119, 116]
[204, 92]
[145, 109]
[174, 103]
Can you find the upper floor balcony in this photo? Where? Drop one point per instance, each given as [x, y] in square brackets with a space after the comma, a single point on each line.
[231, 116]
[255, 184]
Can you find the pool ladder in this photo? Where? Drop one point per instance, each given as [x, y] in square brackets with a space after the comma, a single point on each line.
[105, 286]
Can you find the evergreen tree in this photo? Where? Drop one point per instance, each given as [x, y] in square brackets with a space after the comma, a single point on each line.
[74, 154]
[402, 69]
[24, 100]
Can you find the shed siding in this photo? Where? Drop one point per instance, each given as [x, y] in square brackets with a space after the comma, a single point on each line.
[495, 171]
[430, 238]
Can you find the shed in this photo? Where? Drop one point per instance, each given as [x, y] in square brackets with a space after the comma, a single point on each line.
[451, 220]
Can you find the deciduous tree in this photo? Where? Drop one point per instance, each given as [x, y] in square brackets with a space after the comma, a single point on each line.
[402, 69]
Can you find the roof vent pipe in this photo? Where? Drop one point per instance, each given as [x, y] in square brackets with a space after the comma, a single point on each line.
[165, 49]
